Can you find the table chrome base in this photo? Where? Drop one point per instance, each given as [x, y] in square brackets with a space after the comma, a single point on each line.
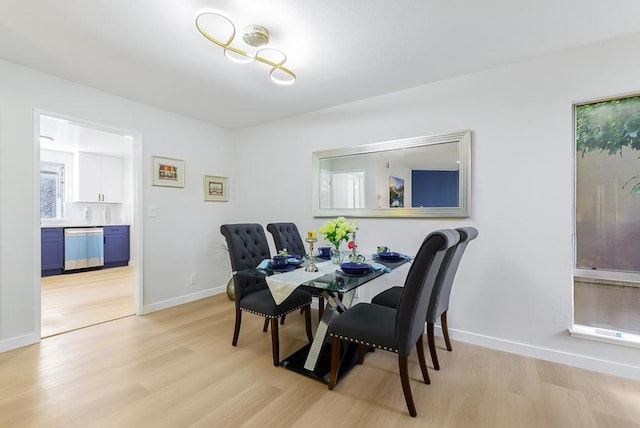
[348, 359]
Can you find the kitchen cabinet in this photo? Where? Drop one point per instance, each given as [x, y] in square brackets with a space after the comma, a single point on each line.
[116, 246]
[51, 251]
[98, 178]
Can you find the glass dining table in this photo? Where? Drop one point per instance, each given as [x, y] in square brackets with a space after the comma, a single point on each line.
[338, 290]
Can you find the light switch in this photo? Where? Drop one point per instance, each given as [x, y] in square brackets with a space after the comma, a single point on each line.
[153, 212]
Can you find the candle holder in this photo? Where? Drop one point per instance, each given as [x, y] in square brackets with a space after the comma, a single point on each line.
[354, 256]
[311, 265]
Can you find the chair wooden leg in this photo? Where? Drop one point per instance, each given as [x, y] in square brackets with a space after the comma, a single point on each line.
[320, 307]
[266, 324]
[335, 356]
[445, 330]
[406, 386]
[362, 350]
[282, 319]
[307, 322]
[423, 362]
[275, 342]
[432, 345]
[236, 329]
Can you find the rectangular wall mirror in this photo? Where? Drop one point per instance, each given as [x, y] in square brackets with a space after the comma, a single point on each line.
[413, 177]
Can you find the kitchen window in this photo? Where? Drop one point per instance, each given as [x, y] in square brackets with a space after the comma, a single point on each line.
[51, 190]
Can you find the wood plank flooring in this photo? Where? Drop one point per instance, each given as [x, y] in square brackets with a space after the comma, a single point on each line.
[77, 300]
[177, 368]
[610, 306]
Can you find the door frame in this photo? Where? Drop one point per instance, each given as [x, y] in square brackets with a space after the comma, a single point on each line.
[137, 218]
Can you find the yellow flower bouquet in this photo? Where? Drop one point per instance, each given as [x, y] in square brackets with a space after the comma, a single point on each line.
[336, 231]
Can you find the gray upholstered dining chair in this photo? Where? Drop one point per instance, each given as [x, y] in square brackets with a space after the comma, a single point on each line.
[286, 236]
[248, 247]
[439, 302]
[396, 330]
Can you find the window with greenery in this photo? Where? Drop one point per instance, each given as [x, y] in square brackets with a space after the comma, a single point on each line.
[608, 185]
[607, 218]
[51, 190]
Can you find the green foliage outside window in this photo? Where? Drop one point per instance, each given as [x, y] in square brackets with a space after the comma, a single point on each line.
[610, 126]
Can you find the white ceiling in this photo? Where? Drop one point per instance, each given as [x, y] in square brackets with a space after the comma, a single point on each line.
[341, 51]
[72, 137]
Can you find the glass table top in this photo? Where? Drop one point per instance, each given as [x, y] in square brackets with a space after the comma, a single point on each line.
[335, 281]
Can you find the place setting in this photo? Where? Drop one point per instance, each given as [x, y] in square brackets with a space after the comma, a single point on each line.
[389, 258]
[324, 253]
[285, 262]
[282, 262]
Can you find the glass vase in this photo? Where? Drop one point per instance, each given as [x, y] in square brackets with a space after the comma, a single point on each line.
[336, 257]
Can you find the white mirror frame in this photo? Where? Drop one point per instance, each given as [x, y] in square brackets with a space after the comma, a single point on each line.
[462, 138]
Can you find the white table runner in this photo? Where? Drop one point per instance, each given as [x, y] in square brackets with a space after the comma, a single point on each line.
[283, 284]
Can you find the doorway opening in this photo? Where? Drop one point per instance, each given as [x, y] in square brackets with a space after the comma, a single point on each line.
[89, 210]
[342, 189]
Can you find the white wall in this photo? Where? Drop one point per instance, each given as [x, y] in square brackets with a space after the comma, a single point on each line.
[514, 287]
[184, 238]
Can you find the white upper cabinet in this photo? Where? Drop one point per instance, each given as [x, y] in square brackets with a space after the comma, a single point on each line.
[98, 178]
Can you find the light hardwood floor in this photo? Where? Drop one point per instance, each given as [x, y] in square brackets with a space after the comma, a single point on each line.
[77, 300]
[177, 368]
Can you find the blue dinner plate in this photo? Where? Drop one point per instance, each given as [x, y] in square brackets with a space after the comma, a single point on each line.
[355, 275]
[389, 256]
[286, 268]
[354, 267]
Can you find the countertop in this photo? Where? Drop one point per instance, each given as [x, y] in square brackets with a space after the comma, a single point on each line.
[52, 225]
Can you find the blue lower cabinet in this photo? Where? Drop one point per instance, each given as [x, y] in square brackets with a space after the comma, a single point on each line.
[51, 251]
[116, 246]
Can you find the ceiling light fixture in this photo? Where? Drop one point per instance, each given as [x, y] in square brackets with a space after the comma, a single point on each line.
[253, 35]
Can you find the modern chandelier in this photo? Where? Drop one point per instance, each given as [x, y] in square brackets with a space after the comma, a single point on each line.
[254, 36]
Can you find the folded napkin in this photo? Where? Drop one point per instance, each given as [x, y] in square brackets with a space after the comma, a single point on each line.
[380, 267]
[293, 260]
[264, 264]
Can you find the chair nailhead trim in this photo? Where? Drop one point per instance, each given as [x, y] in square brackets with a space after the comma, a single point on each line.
[360, 342]
[273, 316]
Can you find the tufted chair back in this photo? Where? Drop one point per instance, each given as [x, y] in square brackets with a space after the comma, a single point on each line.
[439, 302]
[248, 246]
[286, 235]
[418, 286]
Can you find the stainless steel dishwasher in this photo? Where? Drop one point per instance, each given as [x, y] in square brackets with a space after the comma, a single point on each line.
[83, 248]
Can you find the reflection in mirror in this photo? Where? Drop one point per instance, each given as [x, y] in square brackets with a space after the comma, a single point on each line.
[415, 177]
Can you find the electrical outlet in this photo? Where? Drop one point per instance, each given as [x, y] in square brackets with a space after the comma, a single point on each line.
[194, 278]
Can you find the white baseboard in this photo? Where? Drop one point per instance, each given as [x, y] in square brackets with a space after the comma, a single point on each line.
[147, 309]
[18, 342]
[561, 357]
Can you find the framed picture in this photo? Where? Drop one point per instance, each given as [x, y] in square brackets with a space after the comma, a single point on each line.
[168, 172]
[396, 192]
[216, 188]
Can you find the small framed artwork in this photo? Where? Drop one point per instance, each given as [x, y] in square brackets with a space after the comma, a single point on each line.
[396, 192]
[216, 188]
[168, 172]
